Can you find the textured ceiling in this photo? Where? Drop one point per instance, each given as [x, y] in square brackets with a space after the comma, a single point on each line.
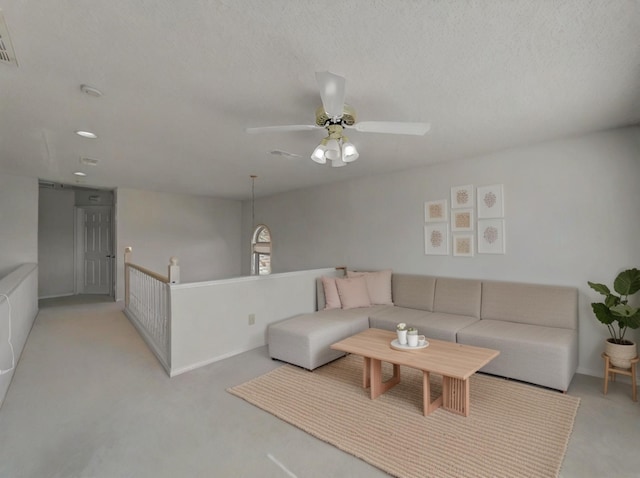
[182, 79]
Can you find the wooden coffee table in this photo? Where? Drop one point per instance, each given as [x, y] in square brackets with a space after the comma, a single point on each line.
[455, 362]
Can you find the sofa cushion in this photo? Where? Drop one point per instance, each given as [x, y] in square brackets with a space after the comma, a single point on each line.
[551, 306]
[353, 292]
[441, 326]
[458, 296]
[433, 325]
[331, 296]
[413, 291]
[305, 340]
[378, 285]
[389, 317]
[547, 356]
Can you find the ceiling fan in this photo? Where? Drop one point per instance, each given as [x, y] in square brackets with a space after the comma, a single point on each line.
[335, 116]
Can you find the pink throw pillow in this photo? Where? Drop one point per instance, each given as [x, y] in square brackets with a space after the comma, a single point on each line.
[378, 285]
[353, 292]
[331, 297]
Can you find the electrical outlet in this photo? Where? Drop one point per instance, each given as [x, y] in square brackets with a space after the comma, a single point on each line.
[252, 319]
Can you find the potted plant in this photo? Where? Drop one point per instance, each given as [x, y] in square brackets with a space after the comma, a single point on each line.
[616, 313]
[401, 329]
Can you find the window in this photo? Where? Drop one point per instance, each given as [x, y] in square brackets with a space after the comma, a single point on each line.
[261, 251]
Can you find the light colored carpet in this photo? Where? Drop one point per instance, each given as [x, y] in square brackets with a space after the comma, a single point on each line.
[513, 430]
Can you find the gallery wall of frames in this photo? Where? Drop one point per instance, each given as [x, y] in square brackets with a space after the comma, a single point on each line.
[473, 224]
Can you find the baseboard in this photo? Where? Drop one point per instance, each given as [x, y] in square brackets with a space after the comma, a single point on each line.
[56, 296]
[203, 363]
[591, 372]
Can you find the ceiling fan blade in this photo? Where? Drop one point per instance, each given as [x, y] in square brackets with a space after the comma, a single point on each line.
[284, 128]
[392, 127]
[285, 154]
[332, 92]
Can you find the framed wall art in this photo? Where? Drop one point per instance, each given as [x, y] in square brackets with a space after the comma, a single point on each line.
[490, 201]
[491, 236]
[462, 196]
[436, 239]
[463, 245]
[436, 211]
[462, 220]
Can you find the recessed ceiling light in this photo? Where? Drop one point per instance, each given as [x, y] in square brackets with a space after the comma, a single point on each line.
[87, 134]
[80, 173]
[91, 91]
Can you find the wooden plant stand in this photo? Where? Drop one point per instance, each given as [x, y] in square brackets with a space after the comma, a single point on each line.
[611, 371]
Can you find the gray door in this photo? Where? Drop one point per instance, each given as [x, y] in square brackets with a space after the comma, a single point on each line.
[98, 250]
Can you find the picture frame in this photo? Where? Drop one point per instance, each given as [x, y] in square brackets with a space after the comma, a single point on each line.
[490, 200]
[436, 211]
[462, 220]
[463, 245]
[436, 239]
[491, 239]
[462, 197]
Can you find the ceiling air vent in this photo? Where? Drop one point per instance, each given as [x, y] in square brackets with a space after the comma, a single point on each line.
[89, 161]
[7, 55]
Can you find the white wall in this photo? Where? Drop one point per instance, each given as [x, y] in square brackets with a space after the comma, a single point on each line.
[204, 233]
[571, 215]
[18, 221]
[55, 242]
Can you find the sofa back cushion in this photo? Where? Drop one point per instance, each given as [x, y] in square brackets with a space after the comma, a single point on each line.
[378, 285]
[547, 305]
[413, 291]
[353, 292]
[458, 296]
[320, 302]
[331, 296]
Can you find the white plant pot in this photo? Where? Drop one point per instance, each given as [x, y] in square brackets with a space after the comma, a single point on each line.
[402, 337]
[412, 340]
[620, 355]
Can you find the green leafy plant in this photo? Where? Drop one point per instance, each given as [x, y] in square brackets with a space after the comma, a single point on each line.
[615, 312]
[412, 331]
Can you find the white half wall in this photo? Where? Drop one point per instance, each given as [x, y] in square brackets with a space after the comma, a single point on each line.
[210, 320]
[18, 221]
[571, 215]
[204, 233]
[16, 318]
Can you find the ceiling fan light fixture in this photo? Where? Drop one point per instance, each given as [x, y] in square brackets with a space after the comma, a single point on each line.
[349, 152]
[338, 163]
[318, 154]
[333, 150]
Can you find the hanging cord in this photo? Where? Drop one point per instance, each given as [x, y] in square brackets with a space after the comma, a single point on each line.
[13, 356]
[253, 201]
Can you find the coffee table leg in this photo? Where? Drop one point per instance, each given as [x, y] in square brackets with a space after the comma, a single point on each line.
[366, 373]
[378, 387]
[427, 405]
[455, 395]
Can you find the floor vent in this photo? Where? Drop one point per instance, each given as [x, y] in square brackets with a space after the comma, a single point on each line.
[7, 55]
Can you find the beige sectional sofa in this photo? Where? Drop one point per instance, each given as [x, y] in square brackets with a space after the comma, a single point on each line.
[535, 327]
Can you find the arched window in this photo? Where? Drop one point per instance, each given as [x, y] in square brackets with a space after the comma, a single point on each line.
[261, 251]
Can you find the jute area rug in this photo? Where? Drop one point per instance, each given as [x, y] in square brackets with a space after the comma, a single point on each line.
[513, 430]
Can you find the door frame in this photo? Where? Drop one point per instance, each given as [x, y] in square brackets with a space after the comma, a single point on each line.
[78, 250]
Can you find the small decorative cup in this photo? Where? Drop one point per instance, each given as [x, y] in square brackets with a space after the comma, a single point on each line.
[402, 337]
[422, 340]
[413, 340]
